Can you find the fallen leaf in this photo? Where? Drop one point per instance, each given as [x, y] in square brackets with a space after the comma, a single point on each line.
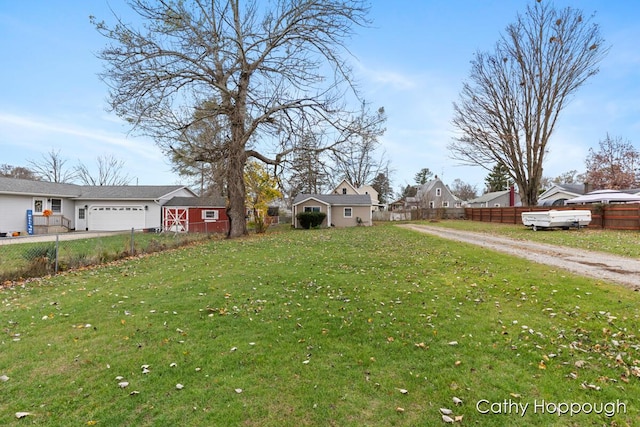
[457, 401]
[238, 390]
[23, 414]
[446, 411]
[123, 384]
[453, 343]
[4, 378]
[179, 386]
[458, 418]
[403, 391]
[515, 395]
[447, 419]
[399, 409]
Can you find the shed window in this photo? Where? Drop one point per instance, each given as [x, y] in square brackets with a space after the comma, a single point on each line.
[445, 204]
[348, 212]
[210, 214]
[312, 208]
[438, 192]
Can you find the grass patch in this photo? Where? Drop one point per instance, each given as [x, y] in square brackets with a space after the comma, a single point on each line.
[623, 243]
[317, 327]
[26, 260]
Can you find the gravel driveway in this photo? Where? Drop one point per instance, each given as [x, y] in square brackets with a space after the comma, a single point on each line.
[598, 265]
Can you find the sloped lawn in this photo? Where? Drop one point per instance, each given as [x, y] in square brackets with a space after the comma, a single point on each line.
[363, 326]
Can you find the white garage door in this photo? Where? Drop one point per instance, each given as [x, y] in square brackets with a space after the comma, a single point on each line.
[113, 218]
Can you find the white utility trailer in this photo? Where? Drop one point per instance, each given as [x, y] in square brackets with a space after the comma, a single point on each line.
[556, 219]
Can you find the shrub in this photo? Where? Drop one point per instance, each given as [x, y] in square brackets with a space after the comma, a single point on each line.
[311, 219]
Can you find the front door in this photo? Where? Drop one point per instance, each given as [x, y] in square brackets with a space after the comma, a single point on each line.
[39, 205]
[81, 218]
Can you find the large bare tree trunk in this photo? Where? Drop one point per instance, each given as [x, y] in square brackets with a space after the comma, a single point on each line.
[236, 192]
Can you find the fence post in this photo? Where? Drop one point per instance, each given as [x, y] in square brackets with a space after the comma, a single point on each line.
[55, 268]
[132, 250]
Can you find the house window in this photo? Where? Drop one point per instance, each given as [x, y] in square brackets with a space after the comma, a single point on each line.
[81, 213]
[348, 212]
[438, 192]
[432, 205]
[344, 191]
[497, 205]
[312, 208]
[445, 204]
[38, 206]
[56, 206]
[210, 215]
[458, 204]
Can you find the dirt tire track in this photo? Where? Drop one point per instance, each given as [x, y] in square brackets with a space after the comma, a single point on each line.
[598, 265]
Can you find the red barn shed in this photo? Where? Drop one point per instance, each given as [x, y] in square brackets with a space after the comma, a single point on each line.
[195, 215]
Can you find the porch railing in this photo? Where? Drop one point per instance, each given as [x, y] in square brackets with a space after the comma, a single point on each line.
[51, 221]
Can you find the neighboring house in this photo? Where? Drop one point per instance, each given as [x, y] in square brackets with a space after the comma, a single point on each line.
[558, 194]
[496, 199]
[434, 194]
[196, 215]
[606, 197]
[345, 187]
[407, 203]
[56, 207]
[342, 209]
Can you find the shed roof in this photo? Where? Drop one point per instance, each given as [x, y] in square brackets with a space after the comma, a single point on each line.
[197, 202]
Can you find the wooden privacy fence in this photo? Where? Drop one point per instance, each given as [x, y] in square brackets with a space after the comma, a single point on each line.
[612, 217]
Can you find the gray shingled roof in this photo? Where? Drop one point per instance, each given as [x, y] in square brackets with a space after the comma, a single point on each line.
[134, 192]
[336, 199]
[489, 196]
[73, 191]
[219, 202]
[37, 188]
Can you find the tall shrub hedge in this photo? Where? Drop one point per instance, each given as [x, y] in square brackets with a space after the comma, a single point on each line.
[311, 219]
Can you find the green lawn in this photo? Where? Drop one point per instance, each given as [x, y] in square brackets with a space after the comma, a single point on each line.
[365, 326]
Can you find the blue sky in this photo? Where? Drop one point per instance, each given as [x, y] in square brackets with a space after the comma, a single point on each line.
[412, 61]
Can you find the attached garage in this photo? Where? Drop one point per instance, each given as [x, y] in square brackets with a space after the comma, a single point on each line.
[111, 218]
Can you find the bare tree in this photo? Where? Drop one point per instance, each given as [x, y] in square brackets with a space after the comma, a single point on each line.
[359, 162]
[51, 168]
[109, 172]
[463, 190]
[19, 172]
[569, 177]
[614, 166]
[509, 108]
[257, 69]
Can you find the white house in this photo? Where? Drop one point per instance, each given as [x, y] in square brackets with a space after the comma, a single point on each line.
[34, 207]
